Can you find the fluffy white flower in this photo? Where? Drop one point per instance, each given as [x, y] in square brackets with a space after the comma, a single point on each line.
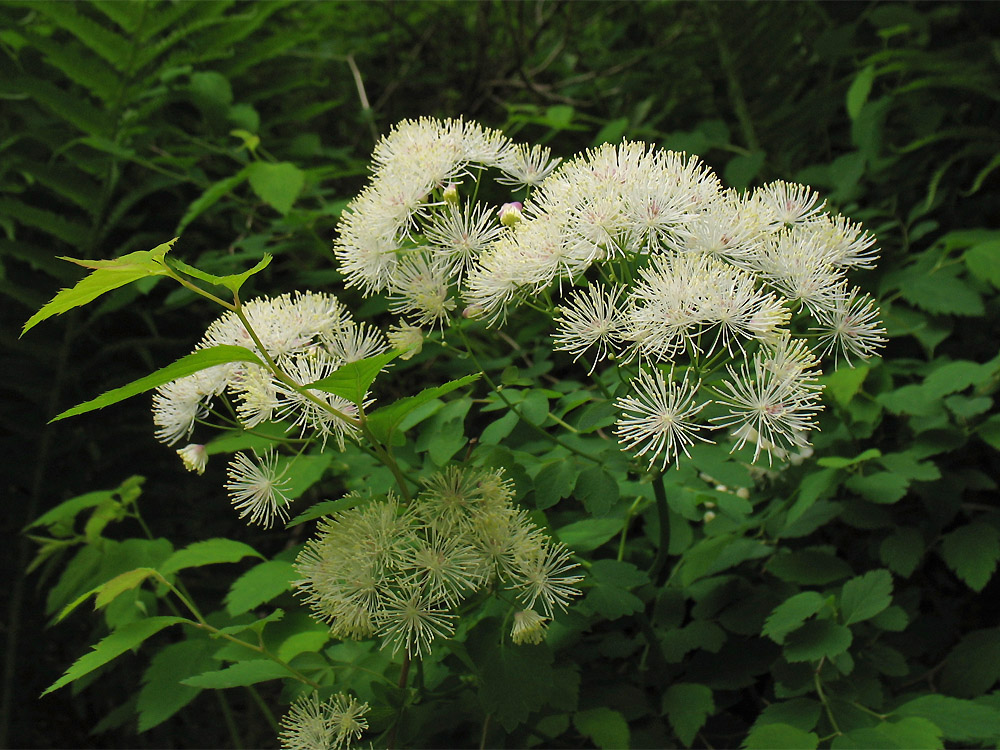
[590, 317]
[256, 489]
[659, 418]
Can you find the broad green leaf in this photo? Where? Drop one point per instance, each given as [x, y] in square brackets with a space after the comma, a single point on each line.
[555, 481]
[208, 552]
[973, 666]
[606, 727]
[187, 365]
[384, 421]
[881, 487]
[902, 550]
[302, 472]
[716, 554]
[780, 737]
[232, 281]
[304, 641]
[120, 584]
[959, 720]
[514, 680]
[983, 260]
[113, 645]
[209, 198]
[687, 706]
[809, 567]
[162, 694]
[239, 674]
[353, 380]
[972, 552]
[589, 533]
[260, 584]
[68, 510]
[277, 184]
[942, 293]
[865, 596]
[598, 490]
[816, 639]
[790, 614]
[816, 485]
[845, 382]
[609, 595]
[801, 713]
[105, 276]
[840, 462]
[911, 733]
[860, 88]
[954, 377]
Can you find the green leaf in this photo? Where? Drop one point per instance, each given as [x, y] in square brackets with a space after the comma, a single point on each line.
[384, 421]
[801, 713]
[943, 294]
[555, 481]
[611, 580]
[302, 472]
[598, 490]
[911, 733]
[902, 550]
[325, 508]
[780, 737]
[106, 276]
[841, 462]
[232, 281]
[208, 552]
[845, 382]
[687, 706]
[260, 584]
[790, 614]
[209, 198]
[816, 485]
[353, 380]
[816, 639]
[983, 260]
[808, 567]
[277, 184]
[606, 727]
[68, 510]
[973, 666]
[865, 596]
[972, 552]
[589, 533]
[959, 720]
[117, 643]
[716, 554]
[187, 365]
[514, 681]
[881, 487]
[162, 694]
[859, 90]
[239, 674]
[120, 584]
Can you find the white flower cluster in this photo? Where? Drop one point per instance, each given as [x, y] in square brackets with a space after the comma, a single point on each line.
[400, 573]
[670, 269]
[408, 234]
[308, 336]
[333, 724]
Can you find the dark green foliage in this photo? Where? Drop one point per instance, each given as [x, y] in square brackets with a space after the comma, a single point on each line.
[848, 601]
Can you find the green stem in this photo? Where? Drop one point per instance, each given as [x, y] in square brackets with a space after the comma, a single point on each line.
[822, 697]
[227, 714]
[264, 709]
[404, 674]
[628, 519]
[658, 567]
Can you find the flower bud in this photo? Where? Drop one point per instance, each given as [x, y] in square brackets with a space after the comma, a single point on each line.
[529, 627]
[194, 457]
[510, 213]
[451, 194]
[406, 338]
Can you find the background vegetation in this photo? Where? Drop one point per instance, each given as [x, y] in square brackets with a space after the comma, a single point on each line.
[245, 128]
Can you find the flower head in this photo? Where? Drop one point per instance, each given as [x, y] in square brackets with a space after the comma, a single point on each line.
[659, 418]
[529, 627]
[311, 724]
[256, 489]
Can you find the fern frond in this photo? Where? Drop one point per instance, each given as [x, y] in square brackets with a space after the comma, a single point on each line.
[114, 48]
